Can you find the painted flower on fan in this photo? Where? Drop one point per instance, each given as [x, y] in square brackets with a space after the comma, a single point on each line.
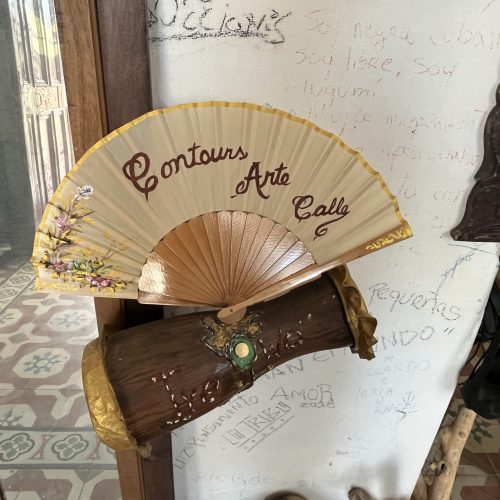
[84, 271]
[95, 265]
[84, 192]
[78, 268]
[98, 281]
[58, 267]
[63, 222]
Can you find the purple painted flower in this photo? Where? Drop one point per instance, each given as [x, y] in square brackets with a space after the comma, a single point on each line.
[98, 281]
[59, 267]
[62, 222]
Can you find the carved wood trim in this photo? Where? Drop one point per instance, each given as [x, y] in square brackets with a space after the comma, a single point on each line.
[481, 220]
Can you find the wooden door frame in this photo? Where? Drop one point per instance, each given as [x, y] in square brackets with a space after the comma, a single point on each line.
[105, 58]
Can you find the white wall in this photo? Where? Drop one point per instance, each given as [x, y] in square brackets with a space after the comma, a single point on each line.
[409, 84]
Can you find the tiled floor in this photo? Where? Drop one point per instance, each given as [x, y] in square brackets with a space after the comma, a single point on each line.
[48, 449]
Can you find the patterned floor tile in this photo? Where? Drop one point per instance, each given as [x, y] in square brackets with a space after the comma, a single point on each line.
[56, 449]
[476, 488]
[494, 459]
[101, 486]
[41, 484]
[43, 408]
[48, 449]
[60, 484]
[474, 464]
[42, 338]
[15, 284]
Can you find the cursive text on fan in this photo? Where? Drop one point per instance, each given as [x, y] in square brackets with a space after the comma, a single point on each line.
[337, 210]
[276, 177]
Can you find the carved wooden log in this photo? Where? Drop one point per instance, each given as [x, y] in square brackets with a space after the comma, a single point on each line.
[156, 377]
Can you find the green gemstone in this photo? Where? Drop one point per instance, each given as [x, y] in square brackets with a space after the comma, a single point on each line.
[242, 352]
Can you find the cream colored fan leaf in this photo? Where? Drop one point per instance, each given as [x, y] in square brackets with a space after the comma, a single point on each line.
[212, 204]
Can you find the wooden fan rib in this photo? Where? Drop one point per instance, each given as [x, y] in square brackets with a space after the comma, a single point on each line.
[238, 222]
[252, 223]
[199, 230]
[263, 231]
[302, 263]
[167, 300]
[289, 251]
[174, 284]
[276, 243]
[212, 228]
[172, 266]
[176, 254]
[224, 225]
[191, 237]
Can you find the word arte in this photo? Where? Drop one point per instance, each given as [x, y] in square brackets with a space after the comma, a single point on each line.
[136, 170]
[194, 19]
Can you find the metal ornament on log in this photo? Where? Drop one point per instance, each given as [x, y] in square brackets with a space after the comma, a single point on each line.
[156, 377]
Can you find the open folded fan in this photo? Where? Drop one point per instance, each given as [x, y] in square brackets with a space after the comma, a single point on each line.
[214, 204]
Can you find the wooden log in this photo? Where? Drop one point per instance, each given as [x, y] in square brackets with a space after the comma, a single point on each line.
[166, 373]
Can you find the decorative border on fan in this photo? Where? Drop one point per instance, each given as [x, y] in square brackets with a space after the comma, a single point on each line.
[399, 233]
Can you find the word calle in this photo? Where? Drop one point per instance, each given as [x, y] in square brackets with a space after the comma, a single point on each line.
[338, 209]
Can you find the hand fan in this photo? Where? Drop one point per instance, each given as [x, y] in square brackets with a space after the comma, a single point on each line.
[212, 204]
